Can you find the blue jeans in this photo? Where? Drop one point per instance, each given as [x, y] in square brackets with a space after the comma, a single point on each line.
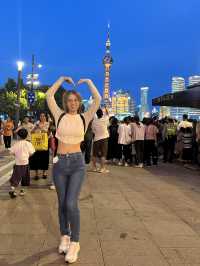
[68, 175]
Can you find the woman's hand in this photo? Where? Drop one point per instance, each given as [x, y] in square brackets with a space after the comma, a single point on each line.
[67, 79]
[88, 81]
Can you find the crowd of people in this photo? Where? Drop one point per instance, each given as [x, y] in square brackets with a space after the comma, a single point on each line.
[134, 143]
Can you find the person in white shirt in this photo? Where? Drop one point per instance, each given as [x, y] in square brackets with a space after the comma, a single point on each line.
[101, 135]
[28, 126]
[124, 140]
[22, 150]
[185, 123]
[138, 133]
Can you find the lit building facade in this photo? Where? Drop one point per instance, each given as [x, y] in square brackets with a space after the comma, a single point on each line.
[178, 84]
[123, 103]
[193, 112]
[107, 61]
[164, 112]
[194, 80]
[144, 110]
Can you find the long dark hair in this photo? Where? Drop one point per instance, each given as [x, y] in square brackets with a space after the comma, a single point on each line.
[137, 120]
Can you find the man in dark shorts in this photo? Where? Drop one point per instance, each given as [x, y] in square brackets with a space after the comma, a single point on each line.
[101, 135]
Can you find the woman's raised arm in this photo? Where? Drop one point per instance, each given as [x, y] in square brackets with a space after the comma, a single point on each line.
[50, 96]
[89, 115]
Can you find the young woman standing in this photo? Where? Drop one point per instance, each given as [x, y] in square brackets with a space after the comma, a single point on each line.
[40, 159]
[69, 165]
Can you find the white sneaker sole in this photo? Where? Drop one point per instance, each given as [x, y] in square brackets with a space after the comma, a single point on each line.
[72, 261]
[62, 250]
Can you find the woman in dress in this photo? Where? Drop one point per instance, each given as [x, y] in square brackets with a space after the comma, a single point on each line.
[69, 165]
[40, 159]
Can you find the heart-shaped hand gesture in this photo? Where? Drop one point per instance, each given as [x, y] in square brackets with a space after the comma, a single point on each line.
[68, 80]
[81, 81]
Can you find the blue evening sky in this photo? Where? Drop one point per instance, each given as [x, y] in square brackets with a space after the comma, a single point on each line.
[152, 40]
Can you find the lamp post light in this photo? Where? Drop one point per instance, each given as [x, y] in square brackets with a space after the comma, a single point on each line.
[20, 65]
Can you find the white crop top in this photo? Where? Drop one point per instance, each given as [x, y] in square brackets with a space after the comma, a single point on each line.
[71, 128]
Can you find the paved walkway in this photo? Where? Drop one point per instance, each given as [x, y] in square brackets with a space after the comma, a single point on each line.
[130, 217]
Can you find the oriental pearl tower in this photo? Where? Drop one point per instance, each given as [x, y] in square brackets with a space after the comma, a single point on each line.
[107, 61]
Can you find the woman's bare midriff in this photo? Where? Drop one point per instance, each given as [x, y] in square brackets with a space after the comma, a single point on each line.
[64, 148]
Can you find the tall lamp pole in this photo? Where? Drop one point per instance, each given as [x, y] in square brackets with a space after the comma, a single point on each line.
[20, 65]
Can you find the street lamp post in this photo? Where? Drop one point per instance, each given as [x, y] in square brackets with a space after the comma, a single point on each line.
[20, 65]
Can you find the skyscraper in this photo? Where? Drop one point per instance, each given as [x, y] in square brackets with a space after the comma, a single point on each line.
[193, 112]
[123, 103]
[178, 84]
[194, 80]
[144, 102]
[107, 61]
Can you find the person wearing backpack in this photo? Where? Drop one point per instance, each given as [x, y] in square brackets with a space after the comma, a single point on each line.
[169, 137]
[69, 164]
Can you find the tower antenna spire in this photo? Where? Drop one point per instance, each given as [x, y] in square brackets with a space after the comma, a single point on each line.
[107, 61]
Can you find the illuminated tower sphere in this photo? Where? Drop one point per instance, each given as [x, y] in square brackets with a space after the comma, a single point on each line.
[107, 61]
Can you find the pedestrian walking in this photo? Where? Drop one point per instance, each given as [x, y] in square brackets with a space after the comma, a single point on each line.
[100, 146]
[8, 127]
[138, 132]
[40, 159]
[1, 132]
[28, 126]
[124, 141]
[22, 150]
[151, 151]
[187, 144]
[69, 164]
[169, 136]
[114, 153]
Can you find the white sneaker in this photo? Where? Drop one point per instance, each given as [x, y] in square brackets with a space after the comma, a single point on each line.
[120, 163]
[64, 244]
[126, 165]
[139, 165]
[104, 171]
[52, 187]
[72, 254]
[22, 192]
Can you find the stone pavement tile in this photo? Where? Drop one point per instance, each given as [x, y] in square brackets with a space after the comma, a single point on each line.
[86, 201]
[177, 241]
[108, 219]
[133, 247]
[7, 203]
[108, 200]
[40, 197]
[124, 235]
[150, 207]
[119, 224]
[11, 244]
[17, 217]
[190, 215]
[29, 229]
[21, 244]
[19, 260]
[131, 260]
[101, 183]
[168, 228]
[182, 256]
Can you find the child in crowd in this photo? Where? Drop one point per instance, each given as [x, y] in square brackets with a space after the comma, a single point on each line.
[22, 150]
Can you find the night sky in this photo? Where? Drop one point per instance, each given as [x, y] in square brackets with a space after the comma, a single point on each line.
[152, 40]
